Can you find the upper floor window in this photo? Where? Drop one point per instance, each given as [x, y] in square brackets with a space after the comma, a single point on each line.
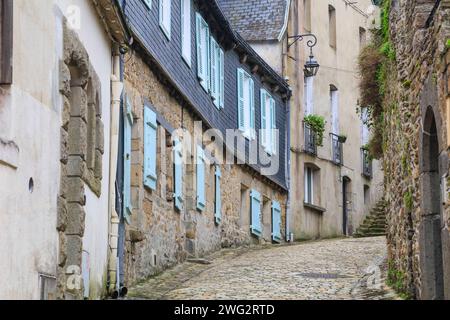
[307, 18]
[186, 35]
[203, 42]
[268, 122]
[332, 25]
[6, 37]
[365, 135]
[309, 95]
[217, 74]
[246, 104]
[165, 9]
[334, 103]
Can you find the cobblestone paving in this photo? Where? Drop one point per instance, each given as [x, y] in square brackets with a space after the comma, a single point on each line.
[338, 269]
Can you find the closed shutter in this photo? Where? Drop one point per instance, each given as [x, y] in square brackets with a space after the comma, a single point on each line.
[165, 16]
[128, 123]
[198, 39]
[218, 196]
[178, 174]
[251, 105]
[214, 72]
[222, 78]
[264, 128]
[255, 197]
[148, 4]
[273, 127]
[201, 199]
[186, 37]
[203, 52]
[241, 102]
[150, 140]
[276, 222]
[207, 51]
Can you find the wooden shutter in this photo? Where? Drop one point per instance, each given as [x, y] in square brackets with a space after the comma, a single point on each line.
[251, 105]
[273, 127]
[214, 72]
[186, 37]
[255, 197]
[264, 128]
[218, 196]
[198, 40]
[241, 102]
[178, 173]
[148, 4]
[276, 222]
[128, 123]
[6, 41]
[222, 78]
[201, 170]
[150, 152]
[165, 16]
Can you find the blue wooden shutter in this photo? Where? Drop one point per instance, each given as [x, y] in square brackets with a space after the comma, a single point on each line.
[273, 127]
[276, 222]
[128, 123]
[252, 108]
[263, 133]
[198, 40]
[241, 102]
[148, 4]
[150, 140]
[218, 196]
[201, 199]
[165, 9]
[222, 79]
[178, 173]
[214, 71]
[186, 37]
[255, 205]
[208, 56]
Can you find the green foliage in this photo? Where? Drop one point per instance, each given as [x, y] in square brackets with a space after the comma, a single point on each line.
[408, 200]
[396, 279]
[447, 44]
[407, 84]
[317, 124]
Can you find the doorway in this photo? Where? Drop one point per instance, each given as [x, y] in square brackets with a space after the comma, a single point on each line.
[345, 204]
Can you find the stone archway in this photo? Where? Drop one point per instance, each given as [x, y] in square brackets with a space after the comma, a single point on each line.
[431, 258]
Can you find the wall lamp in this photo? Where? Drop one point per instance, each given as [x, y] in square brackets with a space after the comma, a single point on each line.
[311, 65]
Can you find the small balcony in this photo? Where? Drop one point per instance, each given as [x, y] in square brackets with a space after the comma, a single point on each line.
[366, 163]
[337, 145]
[310, 140]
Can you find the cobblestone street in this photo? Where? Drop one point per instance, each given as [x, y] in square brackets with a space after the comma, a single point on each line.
[328, 269]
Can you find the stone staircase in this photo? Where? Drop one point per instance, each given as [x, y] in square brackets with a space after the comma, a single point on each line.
[374, 224]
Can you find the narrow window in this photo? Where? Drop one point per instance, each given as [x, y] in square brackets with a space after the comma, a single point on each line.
[309, 185]
[364, 126]
[246, 104]
[128, 123]
[6, 41]
[366, 194]
[178, 174]
[334, 103]
[268, 122]
[362, 38]
[186, 35]
[203, 54]
[165, 9]
[201, 172]
[332, 25]
[150, 144]
[218, 196]
[307, 18]
[309, 95]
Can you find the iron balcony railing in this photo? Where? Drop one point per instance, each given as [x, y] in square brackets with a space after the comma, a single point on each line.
[366, 163]
[310, 140]
[337, 149]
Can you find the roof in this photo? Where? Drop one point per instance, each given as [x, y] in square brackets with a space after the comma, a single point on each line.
[257, 20]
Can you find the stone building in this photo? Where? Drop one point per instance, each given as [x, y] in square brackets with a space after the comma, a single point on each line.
[333, 186]
[55, 100]
[417, 109]
[191, 82]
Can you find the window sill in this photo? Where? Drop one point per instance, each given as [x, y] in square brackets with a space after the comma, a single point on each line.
[314, 207]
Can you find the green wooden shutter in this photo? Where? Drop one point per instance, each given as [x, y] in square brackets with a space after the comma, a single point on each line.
[178, 173]
[263, 133]
[222, 79]
[255, 197]
[241, 103]
[201, 170]
[252, 108]
[150, 152]
[128, 123]
[276, 222]
[218, 196]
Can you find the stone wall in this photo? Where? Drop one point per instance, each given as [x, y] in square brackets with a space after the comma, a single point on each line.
[419, 88]
[159, 236]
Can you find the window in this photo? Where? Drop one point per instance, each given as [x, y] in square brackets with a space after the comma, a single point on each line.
[186, 35]
[332, 25]
[201, 171]
[217, 196]
[150, 140]
[255, 208]
[246, 104]
[309, 185]
[148, 4]
[366, 194]
[268, 122]
[203, 42]
[334, 103]
[165, 16]
[217, 74]
[307, 18]
[362, 38]
[128, 123]
[6, 41]
[364, 126]
[178, 173]
[309, 95]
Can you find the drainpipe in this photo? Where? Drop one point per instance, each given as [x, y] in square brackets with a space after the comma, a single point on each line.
[116, 93]
[288, 170]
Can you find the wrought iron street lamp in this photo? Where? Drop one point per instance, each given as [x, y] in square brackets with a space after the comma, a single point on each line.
[311, 65]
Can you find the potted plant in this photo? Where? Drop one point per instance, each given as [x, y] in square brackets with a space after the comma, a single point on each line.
[342, 138]
[317, 124]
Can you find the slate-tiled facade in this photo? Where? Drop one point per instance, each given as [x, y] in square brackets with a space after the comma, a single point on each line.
[167, 54]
